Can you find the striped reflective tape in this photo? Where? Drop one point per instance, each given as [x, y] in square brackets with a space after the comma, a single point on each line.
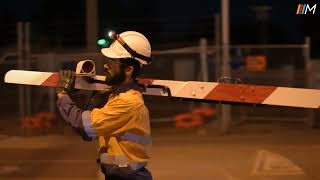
[29, 77]
[50, 79]
[87, 124]
[121, 161]
[135, 138]
[238, 93]
[192, 90]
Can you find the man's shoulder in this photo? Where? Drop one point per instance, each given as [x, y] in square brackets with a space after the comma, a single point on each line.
[131, 96]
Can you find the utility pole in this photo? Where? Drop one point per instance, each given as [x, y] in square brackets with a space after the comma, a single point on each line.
[91, 24]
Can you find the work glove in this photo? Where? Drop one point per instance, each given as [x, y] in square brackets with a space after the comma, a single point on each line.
[66, 82]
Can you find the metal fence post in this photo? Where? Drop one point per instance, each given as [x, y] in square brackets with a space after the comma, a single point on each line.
[226, 109]
[310, 120]
[203, 59]
[27, 65]
[51, 91]
[217, 43]
[21, 88]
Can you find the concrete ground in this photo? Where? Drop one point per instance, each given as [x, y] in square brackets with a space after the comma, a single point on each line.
[270, 151]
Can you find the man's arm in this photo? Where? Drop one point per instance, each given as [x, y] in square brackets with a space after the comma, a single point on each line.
[68, 109]
[110, 119]
[98, 122]
[72, 114]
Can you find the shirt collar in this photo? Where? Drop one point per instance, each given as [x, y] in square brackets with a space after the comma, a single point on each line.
[126, 87]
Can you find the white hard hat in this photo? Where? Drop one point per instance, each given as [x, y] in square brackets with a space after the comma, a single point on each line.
[129, 44]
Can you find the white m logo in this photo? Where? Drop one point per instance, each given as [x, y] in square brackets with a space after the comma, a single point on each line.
[311, 9]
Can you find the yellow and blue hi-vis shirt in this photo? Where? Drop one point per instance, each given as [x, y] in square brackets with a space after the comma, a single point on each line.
[122, 127]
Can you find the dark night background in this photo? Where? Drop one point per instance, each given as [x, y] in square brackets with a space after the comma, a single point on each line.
[57, 24]
[249, 140]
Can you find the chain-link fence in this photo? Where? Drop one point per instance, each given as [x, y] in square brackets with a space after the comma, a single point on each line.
[271, 65]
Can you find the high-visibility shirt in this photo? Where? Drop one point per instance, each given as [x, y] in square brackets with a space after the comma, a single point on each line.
[122, 127]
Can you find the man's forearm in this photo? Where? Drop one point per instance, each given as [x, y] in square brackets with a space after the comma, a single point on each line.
[71, 114]
[69, 111]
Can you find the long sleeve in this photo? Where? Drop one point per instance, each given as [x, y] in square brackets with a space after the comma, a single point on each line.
[111, 119]
[72, 115]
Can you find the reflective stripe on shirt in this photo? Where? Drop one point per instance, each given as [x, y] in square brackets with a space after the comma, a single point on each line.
[86, 120]
[121, 161]
[144, 140]
[122, 127]
[127, 136]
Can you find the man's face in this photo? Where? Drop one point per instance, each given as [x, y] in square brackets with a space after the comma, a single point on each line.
[115, 73]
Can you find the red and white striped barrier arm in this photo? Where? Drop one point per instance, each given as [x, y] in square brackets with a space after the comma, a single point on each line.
[238, 93]
[191, 90]
[50, 79]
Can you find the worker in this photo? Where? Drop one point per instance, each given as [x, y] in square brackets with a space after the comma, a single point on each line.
[122, 125]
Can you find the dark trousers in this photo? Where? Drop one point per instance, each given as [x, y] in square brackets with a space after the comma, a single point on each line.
[113, 172]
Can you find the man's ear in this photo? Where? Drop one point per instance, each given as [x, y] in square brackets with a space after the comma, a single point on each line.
[129, 70]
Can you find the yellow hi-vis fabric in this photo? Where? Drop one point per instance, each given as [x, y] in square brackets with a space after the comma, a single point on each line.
[119, 126]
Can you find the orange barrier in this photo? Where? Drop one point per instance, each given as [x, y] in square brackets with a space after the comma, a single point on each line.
[256, 62]
[193, 119]
[41, 120]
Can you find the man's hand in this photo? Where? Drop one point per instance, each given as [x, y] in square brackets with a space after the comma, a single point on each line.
[65, 83]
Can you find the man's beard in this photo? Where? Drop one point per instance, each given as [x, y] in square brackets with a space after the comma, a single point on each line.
[116, 79]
